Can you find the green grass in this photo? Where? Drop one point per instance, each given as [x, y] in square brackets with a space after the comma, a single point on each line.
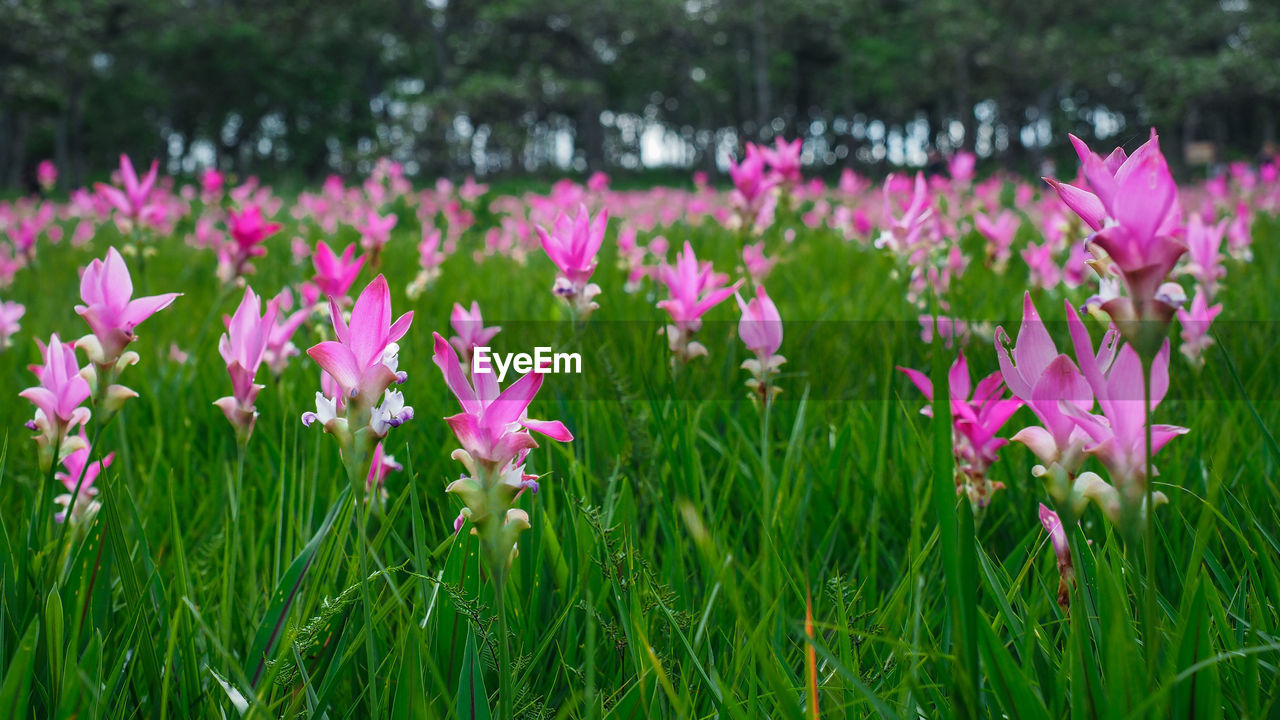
[674, 541]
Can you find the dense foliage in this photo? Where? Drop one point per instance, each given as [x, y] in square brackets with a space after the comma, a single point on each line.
[528, 85]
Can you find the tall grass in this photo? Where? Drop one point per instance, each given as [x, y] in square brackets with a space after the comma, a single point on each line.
[687, 559]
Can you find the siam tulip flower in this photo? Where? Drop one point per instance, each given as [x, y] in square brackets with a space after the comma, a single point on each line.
[1047, 382]
[24, 237]
[1204, 256]
[694, 288]
[79, 479]
[784, 159]
[1118, 436]
[58, 400]
[758, 266]
[1076, 269]
[1195, 326]
[379, 469]
[1239, 234]
[753, 196]
[572, 246]
[242, 347]
[133, 201]
[1062, 552]
[206, 235]
[1044, 269]
[598, 182]
[977, 414]
[960, 167]
[112, 313]
[950, 329]
[10, 313]
[47, 175]
[375, 233]
[248, 230]
[851, 183]
[999, 232]
[1133, 209]
[430, 258]
[761, 331]
[495, 433]
[902, 233]
[493, 427]
[470, 190]
[211, 184]
[299, 250]
[471, 332]
[362, 362]
[335, 274]
[280, 345]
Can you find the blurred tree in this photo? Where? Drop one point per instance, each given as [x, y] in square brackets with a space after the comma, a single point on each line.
[493, 86]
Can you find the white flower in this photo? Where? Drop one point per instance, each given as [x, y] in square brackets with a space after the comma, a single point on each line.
[326, 410]
[392, 413]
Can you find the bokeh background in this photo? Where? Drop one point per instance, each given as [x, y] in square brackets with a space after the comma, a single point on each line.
[541, 87]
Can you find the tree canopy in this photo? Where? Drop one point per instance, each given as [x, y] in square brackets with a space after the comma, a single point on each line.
[517, 86]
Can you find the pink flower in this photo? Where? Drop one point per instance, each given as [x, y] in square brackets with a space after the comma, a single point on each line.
[760, 329]
[57, 398]
[472, 190]
[1204, 245]
[242, 347]
[752, 186]
[47, 174]
[1062, 553]
[381, 466]
[948, 328]
[335, 275]
[79, 479]
[598, 182]
[1118, 437]
[758, 266]
[375, 231]
[363, 360]
[998, 231]
[977, 414]
[493, 426]
[1045, 271]
[902, 233]
[211, 183]
[1195, 326]
[471, 332]
[111, 310]
[573, 246]
[248, 230]
[10, 313]
[1044, 379]
[784, 159]
[133, 201]
[1134, 209]
[694, 288]
[960, 166]
[280, 345]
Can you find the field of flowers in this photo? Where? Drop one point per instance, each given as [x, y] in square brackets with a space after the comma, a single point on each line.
[937, 446]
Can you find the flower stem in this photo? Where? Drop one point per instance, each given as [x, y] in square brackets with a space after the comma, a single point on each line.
[506, 697]
[1150, 630]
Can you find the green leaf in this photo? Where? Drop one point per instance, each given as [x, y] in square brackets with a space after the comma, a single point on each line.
[473, 702]
[272, 624]
[15, 692]
[1199, 695]
[1014, 690]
